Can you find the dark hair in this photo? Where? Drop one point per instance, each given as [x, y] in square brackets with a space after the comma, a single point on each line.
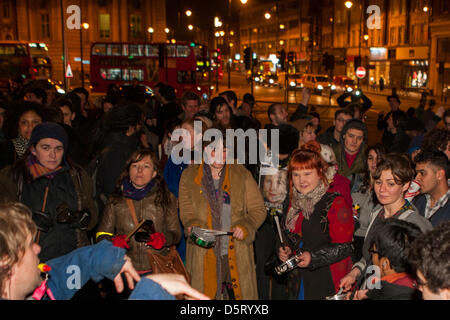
[395, 96]
[38, 92]
[189, 95]
[271, 109]
[61, 102]
[163, 197]
[82, 91]
[392, 239]
[231, 96]
[167, 92]
[119, 119]
[344, 111]
[400, 165]
[380, 150]
[52, 114]
[430, 254]
[435, 158]
[215, 103]
[249, 99]
[352, 107]
[436, 139]
[76, 104]
[12, 117]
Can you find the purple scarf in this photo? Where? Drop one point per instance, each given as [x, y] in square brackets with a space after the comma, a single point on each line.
[129, 191]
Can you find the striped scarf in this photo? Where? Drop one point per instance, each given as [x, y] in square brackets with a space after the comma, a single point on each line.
[37, 170]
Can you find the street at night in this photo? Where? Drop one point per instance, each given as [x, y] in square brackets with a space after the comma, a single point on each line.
[253, 153]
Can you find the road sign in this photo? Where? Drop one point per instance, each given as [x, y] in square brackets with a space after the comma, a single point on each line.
[361, 72]
[69, 73]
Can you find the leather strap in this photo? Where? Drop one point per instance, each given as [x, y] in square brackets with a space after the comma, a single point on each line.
[44, 204]
[132, 211]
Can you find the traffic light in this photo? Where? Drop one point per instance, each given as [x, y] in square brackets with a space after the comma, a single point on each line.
[282, 59]
[325, 60]
[357, 62]
[247, 58]
[291, 56]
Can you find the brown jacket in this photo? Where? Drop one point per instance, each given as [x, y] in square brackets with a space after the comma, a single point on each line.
[117, 220]
[247, 211]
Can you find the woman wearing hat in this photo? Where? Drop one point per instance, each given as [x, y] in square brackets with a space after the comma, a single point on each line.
[58, 193]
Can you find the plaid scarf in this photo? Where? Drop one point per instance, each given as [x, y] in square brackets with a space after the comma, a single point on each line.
[37, 170]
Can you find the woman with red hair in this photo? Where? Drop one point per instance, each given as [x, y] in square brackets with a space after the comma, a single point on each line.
[318, 227]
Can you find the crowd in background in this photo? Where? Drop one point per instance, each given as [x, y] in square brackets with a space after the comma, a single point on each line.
[89, 169]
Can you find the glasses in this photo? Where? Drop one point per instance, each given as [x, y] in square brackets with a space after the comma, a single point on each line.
[341, 120]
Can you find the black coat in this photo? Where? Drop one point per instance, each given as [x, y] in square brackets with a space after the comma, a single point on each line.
[119, 148]
[441, 215]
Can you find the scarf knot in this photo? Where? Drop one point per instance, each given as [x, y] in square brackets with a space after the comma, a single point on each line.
[130, 191]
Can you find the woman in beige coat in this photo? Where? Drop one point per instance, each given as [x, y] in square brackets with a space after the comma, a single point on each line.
[227, 270]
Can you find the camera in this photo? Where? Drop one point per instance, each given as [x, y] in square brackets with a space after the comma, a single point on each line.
[75, 219]
[42, 220]
[288, 265]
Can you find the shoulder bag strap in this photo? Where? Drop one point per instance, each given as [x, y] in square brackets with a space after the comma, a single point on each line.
[44, 204]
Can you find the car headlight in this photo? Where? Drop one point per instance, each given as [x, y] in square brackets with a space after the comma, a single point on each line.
[212, 88]
[271, 81]
[292, 84]
[333, 87]
[199, 89]
[320, 87]
[349, 89]
[257, 79]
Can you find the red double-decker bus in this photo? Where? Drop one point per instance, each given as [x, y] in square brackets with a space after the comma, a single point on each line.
[28, 60]
[149, 63]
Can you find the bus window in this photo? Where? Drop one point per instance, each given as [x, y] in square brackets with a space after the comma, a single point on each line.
[171, 51]
[111, 73]
[125, 50]
[151, 51]
[99, 49]
[113, 50]
[183, 51]
[138, 74]
[186, 77]
[136, 50]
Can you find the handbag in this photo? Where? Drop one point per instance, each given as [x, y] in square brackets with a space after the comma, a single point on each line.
[167, 262]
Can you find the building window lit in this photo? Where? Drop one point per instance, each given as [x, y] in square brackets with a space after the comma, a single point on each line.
[45, 25]
[6, 9]
[135, 26]
[105, 25]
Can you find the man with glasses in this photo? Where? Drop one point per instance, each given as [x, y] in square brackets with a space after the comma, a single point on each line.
[332, 136]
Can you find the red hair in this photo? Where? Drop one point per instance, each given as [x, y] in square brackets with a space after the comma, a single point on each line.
[307, 157]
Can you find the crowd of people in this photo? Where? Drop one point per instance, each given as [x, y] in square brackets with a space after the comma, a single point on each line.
[77, 175]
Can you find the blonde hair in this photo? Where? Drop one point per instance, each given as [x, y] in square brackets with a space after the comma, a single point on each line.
[15, 227]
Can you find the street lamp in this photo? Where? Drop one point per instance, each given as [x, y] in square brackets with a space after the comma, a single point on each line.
[282, 26]
[244, 1]
[366, 37]
[425, 9]
[188, 13]
[151, 30]
[267, 15]
[85, 26]
[166, 30]
[348, 4]
[191, 27]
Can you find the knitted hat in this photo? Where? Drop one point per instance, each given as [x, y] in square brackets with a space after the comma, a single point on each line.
[355, 124]
[49, 130]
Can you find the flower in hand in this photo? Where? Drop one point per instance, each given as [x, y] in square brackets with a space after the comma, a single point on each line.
[156, 240]
[120, 241]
